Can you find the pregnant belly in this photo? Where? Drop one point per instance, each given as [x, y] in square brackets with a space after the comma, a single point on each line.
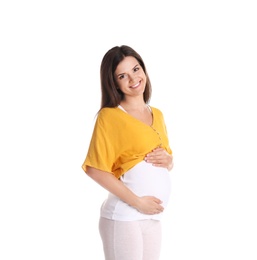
[144, 179]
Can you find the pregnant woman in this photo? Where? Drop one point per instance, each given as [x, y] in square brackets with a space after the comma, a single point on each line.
[129, 155]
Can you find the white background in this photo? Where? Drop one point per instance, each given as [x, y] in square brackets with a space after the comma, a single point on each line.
[202, 60]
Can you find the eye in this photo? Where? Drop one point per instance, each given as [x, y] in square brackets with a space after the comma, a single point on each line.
[122, 76]
[136, 68]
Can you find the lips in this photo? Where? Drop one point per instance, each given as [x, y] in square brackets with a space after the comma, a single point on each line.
[136, 85]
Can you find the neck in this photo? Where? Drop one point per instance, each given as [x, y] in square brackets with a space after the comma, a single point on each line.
[133, 102]
[139, 106]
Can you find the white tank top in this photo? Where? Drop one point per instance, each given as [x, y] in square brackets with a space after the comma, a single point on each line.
[143, 179]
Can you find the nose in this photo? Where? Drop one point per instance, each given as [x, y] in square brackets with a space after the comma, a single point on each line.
[132, 77]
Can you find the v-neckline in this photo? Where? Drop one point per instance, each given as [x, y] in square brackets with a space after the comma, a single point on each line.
[151, 110]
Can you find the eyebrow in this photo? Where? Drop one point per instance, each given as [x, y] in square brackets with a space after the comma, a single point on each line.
[125, 72]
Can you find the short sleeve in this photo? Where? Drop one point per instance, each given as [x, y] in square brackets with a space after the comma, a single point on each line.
[101, 154]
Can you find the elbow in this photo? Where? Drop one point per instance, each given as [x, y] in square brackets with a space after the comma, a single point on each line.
[89, 171]
[94, 173]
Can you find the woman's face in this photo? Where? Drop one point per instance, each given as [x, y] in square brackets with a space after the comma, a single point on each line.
[130, 77]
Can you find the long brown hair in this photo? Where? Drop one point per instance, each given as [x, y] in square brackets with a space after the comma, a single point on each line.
[111, 95]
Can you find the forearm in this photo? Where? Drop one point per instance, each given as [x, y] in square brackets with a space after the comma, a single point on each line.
[113, 185]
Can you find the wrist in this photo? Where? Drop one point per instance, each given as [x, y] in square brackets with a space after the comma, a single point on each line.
[170, 166]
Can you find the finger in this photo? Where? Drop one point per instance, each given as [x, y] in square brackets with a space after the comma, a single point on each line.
[158, 165]
[158, 149]
[156, 200]
[155, 152]
[153, 157]
[161, 209]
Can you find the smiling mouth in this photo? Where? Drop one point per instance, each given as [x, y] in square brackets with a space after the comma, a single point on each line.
[136, 85]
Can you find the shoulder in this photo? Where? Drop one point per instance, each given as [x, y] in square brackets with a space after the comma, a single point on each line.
[156, 111]
[108, 114]
[107, 111]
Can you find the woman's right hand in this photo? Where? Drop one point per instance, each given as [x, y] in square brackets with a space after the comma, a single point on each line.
[149, 205]
[146, 204]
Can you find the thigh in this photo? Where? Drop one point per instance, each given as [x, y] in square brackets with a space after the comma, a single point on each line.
[152, 238]
[122, 240]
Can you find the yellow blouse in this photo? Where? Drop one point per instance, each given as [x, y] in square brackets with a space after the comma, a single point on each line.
[120, 141]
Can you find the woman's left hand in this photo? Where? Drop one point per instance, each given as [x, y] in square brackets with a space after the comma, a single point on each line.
[159, 157]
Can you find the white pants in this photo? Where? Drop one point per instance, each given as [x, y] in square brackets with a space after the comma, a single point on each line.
[131, 240]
